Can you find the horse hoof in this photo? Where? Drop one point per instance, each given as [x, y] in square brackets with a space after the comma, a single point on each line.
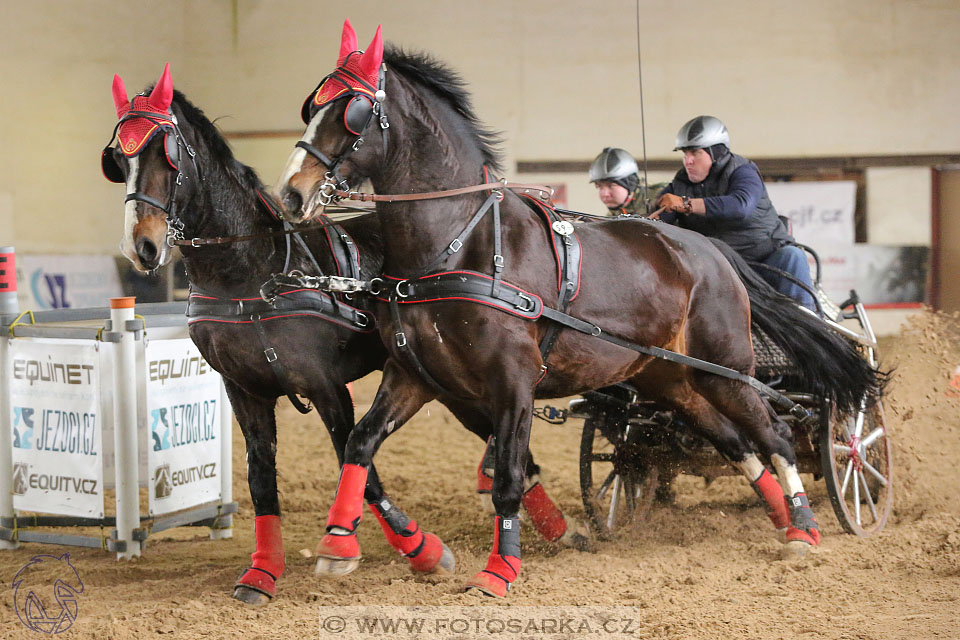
[576, 536]
[434, 557]
[447, 564]
[335, 567]
[249, 596]
[488, 585]
[794, 550]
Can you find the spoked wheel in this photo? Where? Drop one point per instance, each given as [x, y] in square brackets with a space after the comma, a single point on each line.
[615, 490]
[857, 466]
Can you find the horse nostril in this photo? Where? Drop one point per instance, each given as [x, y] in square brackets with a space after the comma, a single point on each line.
[292, 201]
[147, 250]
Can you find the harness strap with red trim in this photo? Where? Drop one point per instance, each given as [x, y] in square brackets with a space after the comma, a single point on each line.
[491, 291]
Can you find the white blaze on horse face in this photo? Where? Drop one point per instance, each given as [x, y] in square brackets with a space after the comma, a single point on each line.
[295, 163]
[127, 246]
[787, 475]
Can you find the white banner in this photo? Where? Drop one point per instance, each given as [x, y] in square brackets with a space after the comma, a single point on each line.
[57, 426]
[66, 281]
[820, 212]
[183, 418]
[881, 275]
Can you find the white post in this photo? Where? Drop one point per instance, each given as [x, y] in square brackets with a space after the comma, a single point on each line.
[125, 425]
[9, 307]
[225, 529]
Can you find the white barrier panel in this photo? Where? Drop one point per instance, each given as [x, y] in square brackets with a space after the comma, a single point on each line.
[57, 426]
[183, 414]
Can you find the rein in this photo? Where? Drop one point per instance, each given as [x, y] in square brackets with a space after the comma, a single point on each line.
[544, 192]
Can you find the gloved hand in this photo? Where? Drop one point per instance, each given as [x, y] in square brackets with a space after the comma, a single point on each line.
[671, 202]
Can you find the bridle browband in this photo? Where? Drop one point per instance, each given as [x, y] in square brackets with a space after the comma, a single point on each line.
[333, 181]
[167, 125]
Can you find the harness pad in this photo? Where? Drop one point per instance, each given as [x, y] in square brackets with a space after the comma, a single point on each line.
[469, 286]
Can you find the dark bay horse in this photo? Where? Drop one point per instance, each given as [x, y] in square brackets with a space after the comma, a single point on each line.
[181, 176]
[405, 122]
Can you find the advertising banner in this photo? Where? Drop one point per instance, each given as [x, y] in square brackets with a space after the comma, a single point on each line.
[820, 212]
[66, 281]
[183, 423]
[57, 426]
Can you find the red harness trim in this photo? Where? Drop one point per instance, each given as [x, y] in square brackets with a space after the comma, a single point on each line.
[545, 210]
[487, 303]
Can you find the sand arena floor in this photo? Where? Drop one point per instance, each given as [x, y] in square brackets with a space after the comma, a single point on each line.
[706, 567]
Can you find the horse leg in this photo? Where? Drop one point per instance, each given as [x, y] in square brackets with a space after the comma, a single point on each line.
[425, 552]
[549, 521]
[511, 444]
[258, 584]
[399, 397]
[744, 406]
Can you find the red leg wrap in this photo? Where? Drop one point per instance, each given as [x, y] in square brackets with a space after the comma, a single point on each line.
[546, 517]
[503, 565]
[769, 489]
[347, 507]
[406, 540]
[268, 560]
[803, 526]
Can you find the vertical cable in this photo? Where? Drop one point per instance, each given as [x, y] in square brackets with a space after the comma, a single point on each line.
[643, 127]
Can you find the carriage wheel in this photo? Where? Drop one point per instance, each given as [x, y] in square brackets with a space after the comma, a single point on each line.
[857, 466]
[615, 490]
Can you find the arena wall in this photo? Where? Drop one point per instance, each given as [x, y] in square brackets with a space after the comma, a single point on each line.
[559, 79]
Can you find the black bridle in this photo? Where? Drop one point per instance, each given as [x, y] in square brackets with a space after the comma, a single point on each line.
[356, 118]
[175, 143]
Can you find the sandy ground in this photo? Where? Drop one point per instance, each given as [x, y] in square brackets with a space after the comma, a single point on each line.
[706, 567]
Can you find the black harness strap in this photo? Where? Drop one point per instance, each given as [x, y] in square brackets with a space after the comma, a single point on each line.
[278, 369]
[664, 354]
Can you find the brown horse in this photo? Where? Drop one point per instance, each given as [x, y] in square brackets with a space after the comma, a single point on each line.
[182, 178]
[463, 317]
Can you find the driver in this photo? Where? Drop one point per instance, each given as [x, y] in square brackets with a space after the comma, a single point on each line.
[617, 178]
[721, 195]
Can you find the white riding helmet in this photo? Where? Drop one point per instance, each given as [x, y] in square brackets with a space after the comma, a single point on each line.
[613, 164]
[702, 132]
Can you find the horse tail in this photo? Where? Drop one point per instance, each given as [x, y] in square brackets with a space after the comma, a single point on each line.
[828, 364]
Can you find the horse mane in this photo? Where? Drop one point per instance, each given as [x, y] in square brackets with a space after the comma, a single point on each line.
[447, 84]
[214, 140]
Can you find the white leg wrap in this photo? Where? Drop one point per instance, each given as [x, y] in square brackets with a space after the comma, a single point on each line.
[751, 467]
[787, 475]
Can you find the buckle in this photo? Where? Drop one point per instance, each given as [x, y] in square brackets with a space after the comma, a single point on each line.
[529, 306]
[455, 246]
[498, 261]
[401, 338]
[271, 354]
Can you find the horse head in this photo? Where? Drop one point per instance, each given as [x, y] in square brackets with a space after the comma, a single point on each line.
[153, 157]
[347, 105]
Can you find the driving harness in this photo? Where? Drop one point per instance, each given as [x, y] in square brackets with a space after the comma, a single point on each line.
[204, 306]
[493, 291]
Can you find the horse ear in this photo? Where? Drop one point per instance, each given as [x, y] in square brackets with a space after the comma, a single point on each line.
[120, 99]
[373, 56]
[348, 41]
[162, 94]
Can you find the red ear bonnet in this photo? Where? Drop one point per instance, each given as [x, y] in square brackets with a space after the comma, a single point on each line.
[372, 57]
[364, 65]
[348, 41]
[120, 99]
[162, 94]
[135, 132]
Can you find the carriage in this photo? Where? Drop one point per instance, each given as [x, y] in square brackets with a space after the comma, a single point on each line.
[631, 449]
